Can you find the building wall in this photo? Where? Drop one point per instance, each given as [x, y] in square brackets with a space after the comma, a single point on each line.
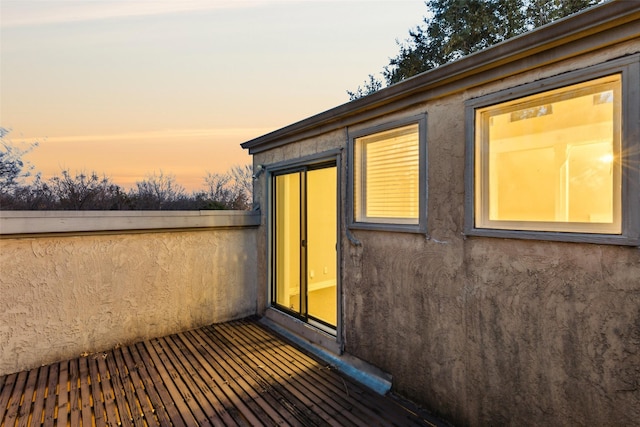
[488, 331]
[65, 295]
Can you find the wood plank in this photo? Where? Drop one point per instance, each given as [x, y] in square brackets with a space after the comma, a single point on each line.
[27, 398]
[373, 405]
[308, 392]
[138, 385]
[85, 392]
[251, 406]
[39, 396]
[340, 390]
[227, 402]
[181, 380]
[135, 410]
[312, 399]
[297, 361]
[52, 395]
[168, 374]
[96, 391]
[110, 410]
[293, 400]
[302, 362]
[231, 394]
[231, 391]
[286, 406]
[15, 399]
[118, 391]
[63, 395]
[74, 395]
[202, 391]
[5, 393]
[379, 407]
[165, 407]
[233, 374]
[3, 379]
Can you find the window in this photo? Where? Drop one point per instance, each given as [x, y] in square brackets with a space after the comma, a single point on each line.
[389, 177]
[554, 164]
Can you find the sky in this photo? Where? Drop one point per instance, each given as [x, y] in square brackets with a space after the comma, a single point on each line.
[130, 88]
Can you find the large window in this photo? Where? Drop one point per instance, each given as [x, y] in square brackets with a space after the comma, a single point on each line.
[388, 177]
[554, 162]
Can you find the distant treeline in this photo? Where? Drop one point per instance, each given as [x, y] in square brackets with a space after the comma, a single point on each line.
[93, 191]
[80, 191]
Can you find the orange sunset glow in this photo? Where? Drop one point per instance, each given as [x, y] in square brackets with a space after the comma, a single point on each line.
[129, 88]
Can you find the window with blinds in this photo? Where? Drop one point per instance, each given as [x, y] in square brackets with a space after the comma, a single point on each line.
[386, 176]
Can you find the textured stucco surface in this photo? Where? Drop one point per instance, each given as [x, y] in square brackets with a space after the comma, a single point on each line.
[500, 331]
[62, 296]
[487, 331]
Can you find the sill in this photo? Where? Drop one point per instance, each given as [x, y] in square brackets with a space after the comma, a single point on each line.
[25, 223]
[401, 228]
[603, 239]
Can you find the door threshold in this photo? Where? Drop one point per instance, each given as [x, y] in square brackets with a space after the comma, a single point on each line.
[307, 331]
[321, 326]
[326, 347]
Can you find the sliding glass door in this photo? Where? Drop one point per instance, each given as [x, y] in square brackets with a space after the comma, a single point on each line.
[305, 244]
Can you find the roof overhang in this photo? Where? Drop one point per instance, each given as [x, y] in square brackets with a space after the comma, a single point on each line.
[588, 31]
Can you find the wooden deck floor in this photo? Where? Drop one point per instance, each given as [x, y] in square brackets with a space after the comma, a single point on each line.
[230, 374]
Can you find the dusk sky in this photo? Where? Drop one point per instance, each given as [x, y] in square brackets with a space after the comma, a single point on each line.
[128, 88]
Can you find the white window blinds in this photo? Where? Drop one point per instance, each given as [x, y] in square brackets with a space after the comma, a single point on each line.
[387, 176]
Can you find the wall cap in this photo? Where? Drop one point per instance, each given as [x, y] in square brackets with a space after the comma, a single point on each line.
[15, 223]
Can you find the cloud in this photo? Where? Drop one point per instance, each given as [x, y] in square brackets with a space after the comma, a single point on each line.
[172, 134]
[20, 13]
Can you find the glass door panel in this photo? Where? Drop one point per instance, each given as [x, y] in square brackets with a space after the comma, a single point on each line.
[287, 241]
[321, 245]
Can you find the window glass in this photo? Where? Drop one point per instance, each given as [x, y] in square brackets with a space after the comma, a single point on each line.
[387, 176]
[548, 162]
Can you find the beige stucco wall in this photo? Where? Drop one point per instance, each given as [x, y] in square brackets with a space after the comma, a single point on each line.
[64, 295]
[488, 331]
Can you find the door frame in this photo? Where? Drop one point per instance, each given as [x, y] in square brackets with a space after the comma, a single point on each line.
[331, 157]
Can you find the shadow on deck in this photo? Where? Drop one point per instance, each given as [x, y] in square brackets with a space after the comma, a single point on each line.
[235, 373]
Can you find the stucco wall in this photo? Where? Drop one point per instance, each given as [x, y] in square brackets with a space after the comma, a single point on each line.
[488, 331]
[64, 295]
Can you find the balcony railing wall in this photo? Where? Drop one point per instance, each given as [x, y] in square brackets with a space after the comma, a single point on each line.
[83, 282]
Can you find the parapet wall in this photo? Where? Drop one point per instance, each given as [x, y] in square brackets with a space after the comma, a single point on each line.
[67, 290]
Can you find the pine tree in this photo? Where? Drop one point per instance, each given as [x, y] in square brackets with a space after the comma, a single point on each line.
[456, 28]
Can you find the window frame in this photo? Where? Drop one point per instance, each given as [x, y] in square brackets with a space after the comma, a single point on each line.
[629, 69]
[421, 226]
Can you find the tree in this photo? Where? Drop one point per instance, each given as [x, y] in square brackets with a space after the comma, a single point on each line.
[161, 192]
[86, 192]
[12, 166]
[217, 194]
[242, 177]
[37, 196]
[456, 28]
[370, 86]
[541, 12]
[231, 190]
[90, 191]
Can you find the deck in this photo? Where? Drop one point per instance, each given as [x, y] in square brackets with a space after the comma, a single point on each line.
[231, 374]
